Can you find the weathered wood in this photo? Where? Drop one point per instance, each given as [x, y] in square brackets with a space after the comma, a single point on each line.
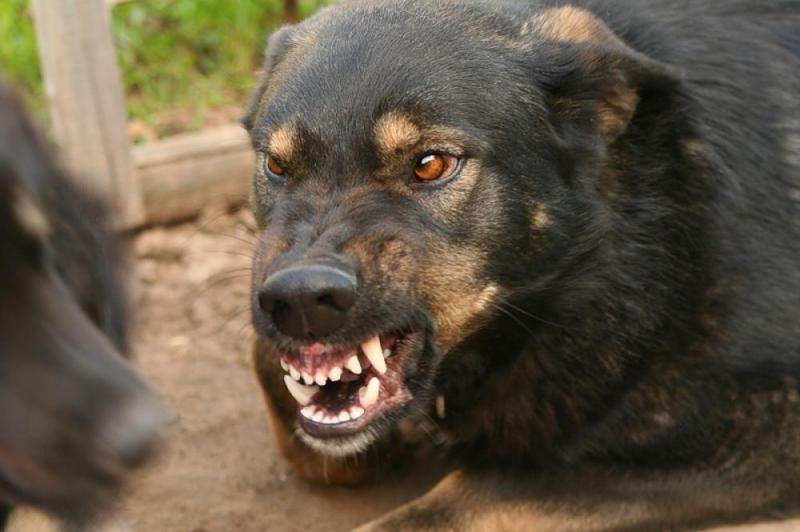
[181, 175]
[290, 13]
[84, 90]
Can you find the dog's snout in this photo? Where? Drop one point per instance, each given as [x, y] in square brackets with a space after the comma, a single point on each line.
[133, 430]
[308, 301]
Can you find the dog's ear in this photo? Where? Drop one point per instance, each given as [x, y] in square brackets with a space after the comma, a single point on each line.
[278, 46]
[593, 82]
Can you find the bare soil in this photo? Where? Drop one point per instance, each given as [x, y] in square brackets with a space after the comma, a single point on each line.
[218, 469]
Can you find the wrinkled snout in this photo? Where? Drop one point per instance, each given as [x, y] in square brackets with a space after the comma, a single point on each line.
[308, 301]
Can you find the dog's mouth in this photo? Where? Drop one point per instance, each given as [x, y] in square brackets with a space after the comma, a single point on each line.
[340, 392]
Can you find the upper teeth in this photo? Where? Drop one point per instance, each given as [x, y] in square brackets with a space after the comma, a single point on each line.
[372, 350]
[302, 394]
[368, 395]
[353, 365]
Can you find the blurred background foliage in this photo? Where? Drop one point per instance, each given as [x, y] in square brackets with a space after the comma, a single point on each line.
[186, 64]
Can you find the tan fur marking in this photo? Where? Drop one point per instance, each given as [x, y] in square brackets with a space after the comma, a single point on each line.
[571, 24]
[30, 520]
[395, 132]
[283, 142]
[29, 216]
[540, 219]
[617, 111]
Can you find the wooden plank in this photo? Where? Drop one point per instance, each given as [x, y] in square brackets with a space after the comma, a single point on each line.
[84, 90]
[183, 174]
[290, 13]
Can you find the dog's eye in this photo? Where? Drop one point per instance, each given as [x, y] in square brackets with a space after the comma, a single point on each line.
[273, 168]
[434, 166]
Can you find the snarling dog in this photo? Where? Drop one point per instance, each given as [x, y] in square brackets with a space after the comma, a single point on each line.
[562, 236]
[75, 417]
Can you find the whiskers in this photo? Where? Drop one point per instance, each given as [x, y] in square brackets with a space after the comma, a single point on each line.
[522, 317]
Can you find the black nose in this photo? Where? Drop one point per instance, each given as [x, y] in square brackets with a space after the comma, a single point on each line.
[308, 301]
[133, 430]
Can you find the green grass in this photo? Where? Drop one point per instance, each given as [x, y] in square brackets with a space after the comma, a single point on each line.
[19, 61]
[181, 60]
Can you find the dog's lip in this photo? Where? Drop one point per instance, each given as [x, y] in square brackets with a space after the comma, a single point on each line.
[366, 397]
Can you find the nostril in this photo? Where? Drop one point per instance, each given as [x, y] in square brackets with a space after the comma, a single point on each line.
[328, 301]
[308, 301]
[338, 300]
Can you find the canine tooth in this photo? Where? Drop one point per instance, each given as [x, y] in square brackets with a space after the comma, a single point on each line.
[335, 374]
[367, 396]
[356, 412]
[387, 353]
[318, 416]
[294, 373]
[353, 365]
[320, 378]
[302, 394]
[308, 379]
[284, 365]
[372, 349]
[344, 415]
[308, 412]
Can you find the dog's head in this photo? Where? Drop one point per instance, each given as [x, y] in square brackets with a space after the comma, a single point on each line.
[420, 165]
[74, 415]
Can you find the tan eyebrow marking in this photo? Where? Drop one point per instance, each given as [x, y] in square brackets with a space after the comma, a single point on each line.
[283, 142]
[395, 131]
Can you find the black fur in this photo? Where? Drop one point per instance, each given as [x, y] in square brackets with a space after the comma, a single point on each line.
[75, 416]
[648, 328]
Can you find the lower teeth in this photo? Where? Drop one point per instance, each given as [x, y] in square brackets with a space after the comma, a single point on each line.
[318, 416]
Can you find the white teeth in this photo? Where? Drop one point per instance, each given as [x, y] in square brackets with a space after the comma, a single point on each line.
[294, 373]
[302, 394]
[369, 394]
[318, 416]
[284, 365]
[335, 374]
[372, 350]
[353, 365]
[320, 378]
[308, 379]
[387, 353]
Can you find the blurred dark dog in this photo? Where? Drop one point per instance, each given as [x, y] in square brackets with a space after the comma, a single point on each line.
[73, 415]
[561, 237]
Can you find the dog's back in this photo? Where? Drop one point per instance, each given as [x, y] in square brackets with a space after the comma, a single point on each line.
[740, 65]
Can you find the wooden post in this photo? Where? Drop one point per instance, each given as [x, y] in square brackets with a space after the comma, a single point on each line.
[87, 105]
[290, 14]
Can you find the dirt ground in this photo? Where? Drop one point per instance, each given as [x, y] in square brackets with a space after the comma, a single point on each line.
[218, 469]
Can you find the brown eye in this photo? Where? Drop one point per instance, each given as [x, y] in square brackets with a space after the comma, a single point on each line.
[435, 166]
[275, 168]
